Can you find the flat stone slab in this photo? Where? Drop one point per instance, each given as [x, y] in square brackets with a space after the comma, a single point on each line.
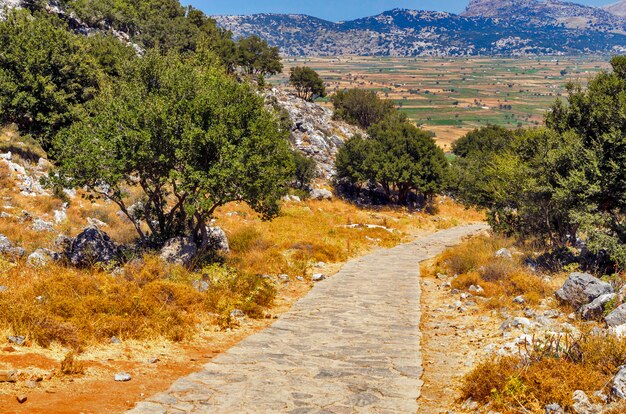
[351, 345]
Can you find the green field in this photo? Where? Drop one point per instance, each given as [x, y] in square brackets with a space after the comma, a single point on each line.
[452, 96]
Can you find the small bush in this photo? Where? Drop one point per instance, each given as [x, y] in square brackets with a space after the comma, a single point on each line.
[71, 366]
[497, 269]
[530, 382]
[472, 254]
[474, 262]
[247, 239]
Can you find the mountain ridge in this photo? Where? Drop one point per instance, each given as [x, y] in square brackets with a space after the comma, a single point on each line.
[541, 28]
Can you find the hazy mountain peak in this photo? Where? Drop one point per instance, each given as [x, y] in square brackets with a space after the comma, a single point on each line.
[617, 9]
[487, 27]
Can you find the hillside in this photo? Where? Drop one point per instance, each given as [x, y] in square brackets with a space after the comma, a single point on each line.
[551, 13]
[536, 29]
[618, 9]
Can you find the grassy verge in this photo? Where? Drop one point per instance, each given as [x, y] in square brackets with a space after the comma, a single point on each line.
[149, 300]
[550, 367]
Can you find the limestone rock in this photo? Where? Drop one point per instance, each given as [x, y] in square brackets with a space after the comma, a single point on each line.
[582, 405]
[476, 289]
[595, 309]
[504, 253]
[5, 244]
[94, 222]
[93, 246]
[218, 241]
[582, 288]
[292, 198]
[318, 277]
[42, 225]
[554, 409]
[321, 194]
[42, 258]
[314, 132]
[179, 250]
[122, 377]
[617, 317]
[63, 244]
[7, 248]
[618, 385]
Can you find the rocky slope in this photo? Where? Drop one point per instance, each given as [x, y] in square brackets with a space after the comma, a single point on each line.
[617, 9]
[313, 130]
[546, 14]
[487, 27]
[74, 23]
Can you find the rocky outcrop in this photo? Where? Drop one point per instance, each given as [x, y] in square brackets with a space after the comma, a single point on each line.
[582, 404]
[7, 248]
[617, 317]
[179, 250]
[618, 385]
[321, 194]
[42, 257]
[93, 246]
[218, 241]
[8, 5]
[595, 309]
[313, 130]
[582, 288]
[74, 23]
[28, 180]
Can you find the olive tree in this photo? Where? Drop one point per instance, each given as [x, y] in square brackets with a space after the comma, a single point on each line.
[307, 83]
[190, 137]
[46, 74]
[256, 57]
[398, 157]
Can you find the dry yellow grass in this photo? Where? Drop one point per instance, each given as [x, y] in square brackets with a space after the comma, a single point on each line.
[550, 371]
[474, 263]
[326, 231]
[517, 383]
[150, 300]
[75, 308]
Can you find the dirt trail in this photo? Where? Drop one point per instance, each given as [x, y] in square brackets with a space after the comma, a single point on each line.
[452, 343]
[351, 345]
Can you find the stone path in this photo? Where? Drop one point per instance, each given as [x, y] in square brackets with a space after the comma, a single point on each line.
[352, 345]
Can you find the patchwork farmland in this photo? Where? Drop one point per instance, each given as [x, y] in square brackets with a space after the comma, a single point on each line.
[452, 96]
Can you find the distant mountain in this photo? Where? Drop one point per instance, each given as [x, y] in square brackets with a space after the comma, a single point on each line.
[617, 9]
[487, 27]
[547, 13]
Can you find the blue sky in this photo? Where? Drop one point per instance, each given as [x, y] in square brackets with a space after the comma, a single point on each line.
[334, 10]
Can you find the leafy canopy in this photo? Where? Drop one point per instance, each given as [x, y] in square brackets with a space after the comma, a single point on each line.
[256, 57]
[191, 137]
[46, 74]
[397, 156]
[562, 183]
[307, 83]
[361, 107]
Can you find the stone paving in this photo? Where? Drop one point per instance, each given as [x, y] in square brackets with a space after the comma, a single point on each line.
[352, 345]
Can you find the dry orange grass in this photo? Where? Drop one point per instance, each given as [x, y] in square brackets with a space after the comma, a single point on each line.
[474, 263]
[326, 231]
[517, 383]
[74, 308]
